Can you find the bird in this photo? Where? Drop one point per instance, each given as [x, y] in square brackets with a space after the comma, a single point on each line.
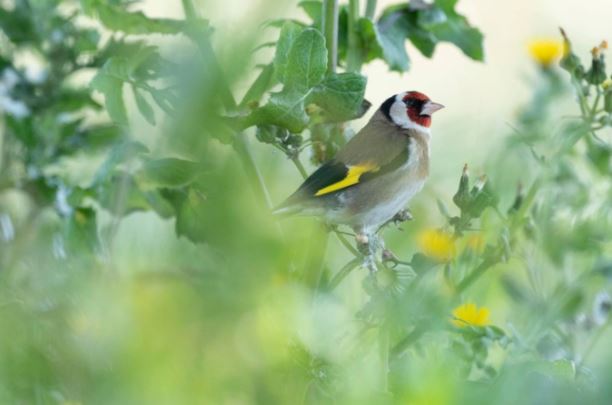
[376, 173]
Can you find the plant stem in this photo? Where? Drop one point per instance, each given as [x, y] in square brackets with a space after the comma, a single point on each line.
[345, 271]
[330, 27]
[353, 57]
[383, 346]
[255, 178]
[298, 164]
[370, 9]
[406, 342]
[189, 10]
[240, 142]
[477, 273]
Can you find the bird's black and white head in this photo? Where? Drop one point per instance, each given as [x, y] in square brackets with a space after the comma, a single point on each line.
[410, 110]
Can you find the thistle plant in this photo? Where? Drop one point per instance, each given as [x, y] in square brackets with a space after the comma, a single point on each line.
[121, 128]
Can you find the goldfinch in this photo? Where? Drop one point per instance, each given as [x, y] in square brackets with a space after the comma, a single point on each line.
[376, 173]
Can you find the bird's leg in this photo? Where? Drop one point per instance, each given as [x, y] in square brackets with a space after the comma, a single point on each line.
[368, 244]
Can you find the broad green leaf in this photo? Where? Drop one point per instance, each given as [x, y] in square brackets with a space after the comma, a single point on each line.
[289, 32]
[143, 106]
[391, 34]
[340, 95]
[285, 109]
[112, 89]
[159, 204]
[313, 8]
[457, 31]
[455, 28]
[307, 61]
[169, 172]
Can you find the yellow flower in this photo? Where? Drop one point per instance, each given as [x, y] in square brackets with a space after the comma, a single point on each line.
[545, 51]
[470, 314]
[607, 84]
[437, 244]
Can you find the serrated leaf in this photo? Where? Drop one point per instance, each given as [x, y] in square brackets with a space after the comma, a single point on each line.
[143, 106]
[169, 172]
[285, 109]
[289, 32]
[340, 95]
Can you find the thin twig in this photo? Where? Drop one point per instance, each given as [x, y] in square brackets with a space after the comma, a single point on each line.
[345, 271]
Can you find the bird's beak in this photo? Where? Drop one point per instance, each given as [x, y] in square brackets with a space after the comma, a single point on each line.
[430, 107]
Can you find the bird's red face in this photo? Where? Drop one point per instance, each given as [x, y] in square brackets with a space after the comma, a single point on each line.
[410, 109]
[419, 108]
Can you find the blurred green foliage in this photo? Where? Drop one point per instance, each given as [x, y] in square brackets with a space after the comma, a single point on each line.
[102, 302]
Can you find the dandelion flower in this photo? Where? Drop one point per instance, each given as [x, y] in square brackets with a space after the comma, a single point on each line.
[437, 245]
[545, 51]
[470, 314]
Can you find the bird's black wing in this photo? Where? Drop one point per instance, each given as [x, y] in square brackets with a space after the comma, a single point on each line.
[335, 176]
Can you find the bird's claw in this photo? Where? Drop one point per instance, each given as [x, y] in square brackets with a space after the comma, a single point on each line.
[402, 216]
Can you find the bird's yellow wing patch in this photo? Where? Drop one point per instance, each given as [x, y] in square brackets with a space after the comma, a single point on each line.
[351, 178]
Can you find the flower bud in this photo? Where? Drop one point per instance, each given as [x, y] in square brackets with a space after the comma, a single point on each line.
[597, 72]
[462, 197]
[570, 61]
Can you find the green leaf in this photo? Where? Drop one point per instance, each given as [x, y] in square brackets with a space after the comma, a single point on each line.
[169, 172]
[120, 153]
[81, 232]
[340, 95]
[284, 109]
[112, 89]
[289, 32]
[457, 30]
[117, 18]
[307, 61]
[391, 36]
[119, 193]
[312, 8]
[190, 216]
[143, 106]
